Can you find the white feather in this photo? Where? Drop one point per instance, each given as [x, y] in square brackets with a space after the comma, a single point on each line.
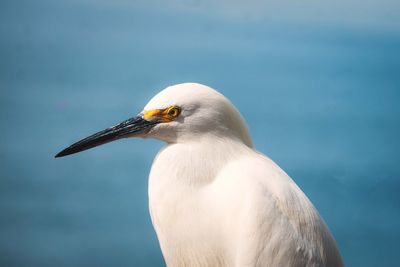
[215, 201]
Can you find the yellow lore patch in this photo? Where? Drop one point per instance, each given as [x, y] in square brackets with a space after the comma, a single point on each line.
[163, 115]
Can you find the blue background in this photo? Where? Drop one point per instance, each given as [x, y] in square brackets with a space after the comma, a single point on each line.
[318, 83]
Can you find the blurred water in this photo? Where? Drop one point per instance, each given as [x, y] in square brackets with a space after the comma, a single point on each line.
[321, 99]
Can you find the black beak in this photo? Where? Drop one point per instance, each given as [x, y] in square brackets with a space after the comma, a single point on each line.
[131, 127]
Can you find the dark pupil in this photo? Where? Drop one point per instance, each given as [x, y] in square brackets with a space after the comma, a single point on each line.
[173, 112]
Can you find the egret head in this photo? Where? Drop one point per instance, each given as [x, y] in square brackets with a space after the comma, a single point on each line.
[180, 113]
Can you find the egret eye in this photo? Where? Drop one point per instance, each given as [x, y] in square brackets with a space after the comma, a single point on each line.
[174, 112]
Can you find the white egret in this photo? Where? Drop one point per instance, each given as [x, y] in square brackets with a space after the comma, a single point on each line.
[214, 200]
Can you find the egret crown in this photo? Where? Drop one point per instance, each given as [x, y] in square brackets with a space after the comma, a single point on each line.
[203, 112]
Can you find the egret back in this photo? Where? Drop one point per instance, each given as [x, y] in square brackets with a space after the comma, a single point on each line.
[220, 203]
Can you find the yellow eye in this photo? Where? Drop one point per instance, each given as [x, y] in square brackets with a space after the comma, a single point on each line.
[174, 112]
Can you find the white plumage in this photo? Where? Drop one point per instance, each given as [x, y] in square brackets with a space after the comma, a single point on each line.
[216, 201]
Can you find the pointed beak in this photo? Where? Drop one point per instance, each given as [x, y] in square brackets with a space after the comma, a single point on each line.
[136, 126]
